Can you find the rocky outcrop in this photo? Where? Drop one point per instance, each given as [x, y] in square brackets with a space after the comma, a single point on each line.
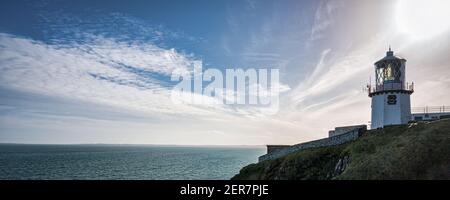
[340, 167]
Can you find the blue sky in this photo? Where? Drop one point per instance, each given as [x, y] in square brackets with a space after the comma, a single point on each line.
[99, 71]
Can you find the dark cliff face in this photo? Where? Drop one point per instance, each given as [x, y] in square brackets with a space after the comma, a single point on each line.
[414, 151]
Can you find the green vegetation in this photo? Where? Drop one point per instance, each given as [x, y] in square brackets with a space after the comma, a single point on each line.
[413, 151]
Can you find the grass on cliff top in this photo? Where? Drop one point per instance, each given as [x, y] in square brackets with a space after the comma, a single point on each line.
[414, 151]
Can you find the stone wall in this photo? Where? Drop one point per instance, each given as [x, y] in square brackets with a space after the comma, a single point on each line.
[273, 148]
[331, 141]
[344, 129]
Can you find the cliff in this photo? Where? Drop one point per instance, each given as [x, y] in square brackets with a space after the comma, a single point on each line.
[413, 151]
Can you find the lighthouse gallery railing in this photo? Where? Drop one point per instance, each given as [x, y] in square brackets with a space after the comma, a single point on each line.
[390, 87]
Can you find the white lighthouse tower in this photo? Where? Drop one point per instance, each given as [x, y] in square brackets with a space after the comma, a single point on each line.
[390, 95]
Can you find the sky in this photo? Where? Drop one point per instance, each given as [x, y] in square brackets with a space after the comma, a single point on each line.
[99, 71]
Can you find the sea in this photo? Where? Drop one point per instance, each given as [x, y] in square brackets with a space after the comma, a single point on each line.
[142, 162]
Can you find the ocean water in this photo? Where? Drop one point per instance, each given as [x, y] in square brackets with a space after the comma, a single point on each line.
[19, 161]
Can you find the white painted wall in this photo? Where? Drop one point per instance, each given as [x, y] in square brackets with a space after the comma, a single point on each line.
[384, 114]
[377, 111]
[405, 100]
[428, 116]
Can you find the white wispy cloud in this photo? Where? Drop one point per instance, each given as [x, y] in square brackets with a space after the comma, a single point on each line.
[323, 18]
[105, 71]
[121, 76]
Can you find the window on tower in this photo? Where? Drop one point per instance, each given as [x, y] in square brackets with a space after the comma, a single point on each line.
[380, 76]
[389, 73]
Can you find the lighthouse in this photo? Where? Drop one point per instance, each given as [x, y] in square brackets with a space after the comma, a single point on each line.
[391, 104]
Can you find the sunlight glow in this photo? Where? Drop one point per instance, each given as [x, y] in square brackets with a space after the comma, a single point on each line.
[423, 19]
